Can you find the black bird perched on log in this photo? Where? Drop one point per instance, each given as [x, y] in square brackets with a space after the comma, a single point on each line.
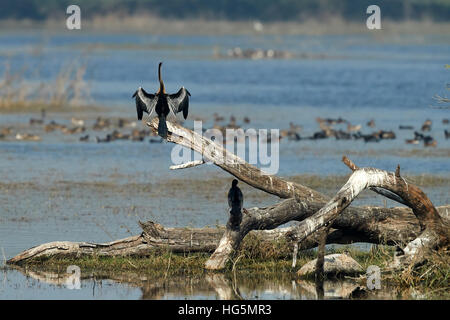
[235, 201]
[163, 103]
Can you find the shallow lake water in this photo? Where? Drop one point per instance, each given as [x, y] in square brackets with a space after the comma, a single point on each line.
[19, 283]
[63, 189]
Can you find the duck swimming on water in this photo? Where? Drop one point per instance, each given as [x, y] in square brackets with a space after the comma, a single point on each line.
[163, 103]
[235, 201]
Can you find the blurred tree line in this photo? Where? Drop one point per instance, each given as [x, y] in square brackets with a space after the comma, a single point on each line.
[264, 10]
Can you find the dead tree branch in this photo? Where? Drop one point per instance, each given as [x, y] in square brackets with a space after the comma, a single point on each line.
[434, 230]
[157, 237]
[234, 165]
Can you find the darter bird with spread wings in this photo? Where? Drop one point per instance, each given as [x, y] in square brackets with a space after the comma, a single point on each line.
[163, 104]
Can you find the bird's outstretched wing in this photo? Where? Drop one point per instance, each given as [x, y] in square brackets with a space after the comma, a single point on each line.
[145, 102]
[179, 101]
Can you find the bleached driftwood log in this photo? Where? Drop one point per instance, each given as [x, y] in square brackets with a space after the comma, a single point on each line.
[156, 237]
[435, 231]
[236, 166]
[130, 245]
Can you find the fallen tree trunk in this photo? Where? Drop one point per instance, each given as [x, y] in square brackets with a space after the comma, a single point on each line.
[156, 237]
[180, 240]
[66, 248]
[435, 231]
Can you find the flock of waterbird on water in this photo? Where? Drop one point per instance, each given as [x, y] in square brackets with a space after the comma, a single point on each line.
[165, 106]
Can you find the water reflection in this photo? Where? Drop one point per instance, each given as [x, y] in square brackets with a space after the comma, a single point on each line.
[220, 286]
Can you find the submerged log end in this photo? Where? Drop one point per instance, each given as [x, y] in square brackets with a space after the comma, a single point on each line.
[44, 250]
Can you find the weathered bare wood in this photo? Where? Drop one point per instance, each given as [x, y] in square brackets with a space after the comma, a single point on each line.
[180, 240]
[225, 247]
[231, 163]
[434, 230]
[186, 165]
[321, 254]
[156, 237]
[130, 245]
[397, 225]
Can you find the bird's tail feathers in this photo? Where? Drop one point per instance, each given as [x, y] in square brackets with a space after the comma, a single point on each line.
[162, 127]
[235, 211]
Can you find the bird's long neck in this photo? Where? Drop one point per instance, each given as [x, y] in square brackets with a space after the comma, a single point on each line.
[161, 83]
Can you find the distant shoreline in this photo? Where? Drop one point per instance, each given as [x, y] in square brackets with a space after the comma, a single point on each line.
[155, 25]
